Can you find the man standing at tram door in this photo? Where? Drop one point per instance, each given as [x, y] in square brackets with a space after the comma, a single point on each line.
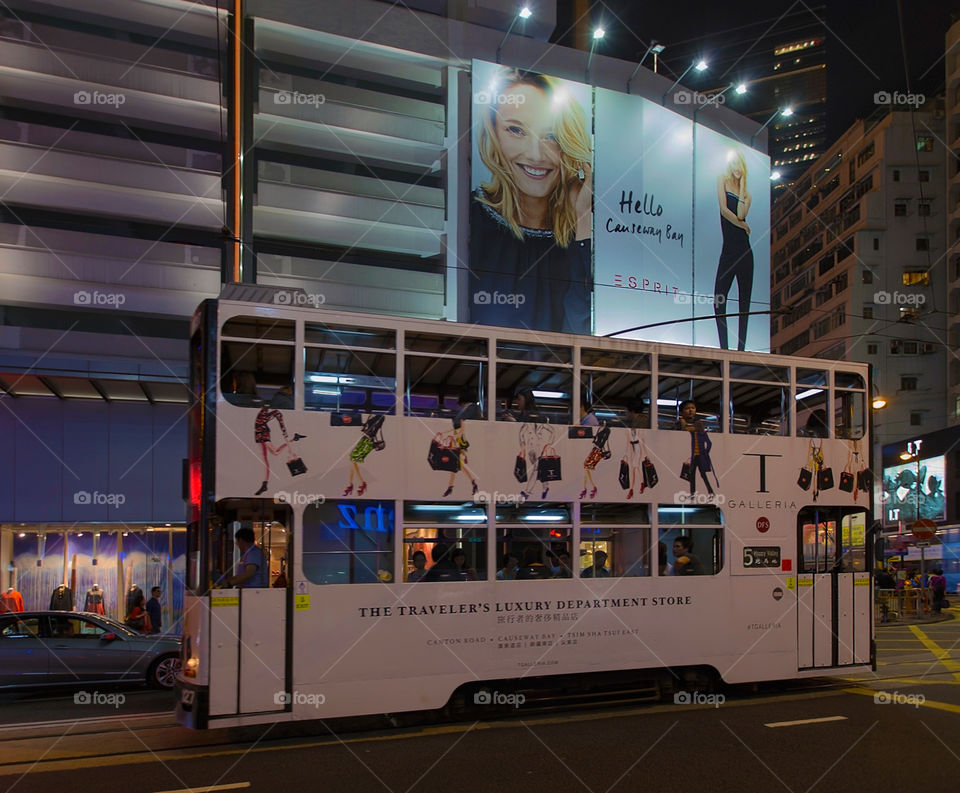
[250, 569]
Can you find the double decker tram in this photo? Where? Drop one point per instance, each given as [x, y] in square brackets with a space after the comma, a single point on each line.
[434, 520]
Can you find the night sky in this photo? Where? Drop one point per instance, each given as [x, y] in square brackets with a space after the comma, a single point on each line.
[864, 51]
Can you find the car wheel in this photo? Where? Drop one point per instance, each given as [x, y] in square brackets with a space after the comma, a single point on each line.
[163, 672]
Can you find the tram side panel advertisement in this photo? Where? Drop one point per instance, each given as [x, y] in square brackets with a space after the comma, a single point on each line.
[642, 206]
[530, 203]
[731, 260]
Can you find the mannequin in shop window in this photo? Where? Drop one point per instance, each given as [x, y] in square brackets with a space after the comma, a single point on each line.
[62, 599]
[93, 603]
[134, 595]
[11, 601]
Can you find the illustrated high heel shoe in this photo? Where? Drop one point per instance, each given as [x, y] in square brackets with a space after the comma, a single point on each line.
[524, 496]
[263, 488]
[583, 493]
[348, 491]
[476, 487]
[448, 491]
[543, 495]
[630, 493]
[593, 493]
[298, 437]
[362, 489]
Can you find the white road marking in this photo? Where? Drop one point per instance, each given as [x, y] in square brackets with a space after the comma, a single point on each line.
[804, 721]
[235, 786]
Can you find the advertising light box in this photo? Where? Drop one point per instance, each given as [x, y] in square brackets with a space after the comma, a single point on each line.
[902, 486]
[650, 220]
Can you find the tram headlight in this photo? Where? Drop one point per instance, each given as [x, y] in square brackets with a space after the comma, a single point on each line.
[190, 667]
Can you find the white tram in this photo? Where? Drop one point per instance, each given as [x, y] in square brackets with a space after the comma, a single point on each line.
[363, 463]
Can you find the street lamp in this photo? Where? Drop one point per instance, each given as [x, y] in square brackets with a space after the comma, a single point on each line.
[524, 14]
[700, 66]
[785, 112]
[598, 33]
[656, 49]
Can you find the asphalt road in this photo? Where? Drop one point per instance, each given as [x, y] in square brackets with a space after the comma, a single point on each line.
[896, 729]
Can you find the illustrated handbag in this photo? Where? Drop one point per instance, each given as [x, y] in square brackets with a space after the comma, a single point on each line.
[686, 473]
[579, 432]
[846, 477]
[649, 470]
[520, 469]
[650, 476]
[824, 479]
[624, 475]
[806, 472]
[296, 466]
[548, 466]
[441, 457]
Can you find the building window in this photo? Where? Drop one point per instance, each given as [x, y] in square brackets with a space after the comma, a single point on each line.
[923, 209]
[900, 208]
[916, 419]
[876, 243]
[873, 349]
[916, 278]
[866, 277]
[868, 312]
[908, 383]
[924, 143]
[923, 243]
[910, 348]
[924, 176]
[896, 174]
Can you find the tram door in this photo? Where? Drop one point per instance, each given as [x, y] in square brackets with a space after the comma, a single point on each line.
[248, 625]
[833, 588]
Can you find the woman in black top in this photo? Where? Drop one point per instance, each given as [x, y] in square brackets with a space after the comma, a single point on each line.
[530, 224]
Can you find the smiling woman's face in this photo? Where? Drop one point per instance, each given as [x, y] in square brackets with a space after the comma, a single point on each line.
[524, 130]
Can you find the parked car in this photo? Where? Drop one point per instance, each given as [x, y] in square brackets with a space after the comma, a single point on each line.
[58, 648]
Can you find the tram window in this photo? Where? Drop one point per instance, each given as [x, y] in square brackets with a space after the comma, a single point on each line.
[552, 389]
[812, 403]
[848, 413]
[350, 336]
[615, 359]
[533, 353]
[696, 367]
[338, 379]
[263, 328]
[853, 533]
[690, 550]
[768, 374]
[348, 542]
[252, 375]
[610, 392]
[269, 522]
[673, 391]
[759, 409]
[848, 380]
[459, 552]
[818, 539]
[434, 385]
[446, 345]
[542, 552]
[626, 552]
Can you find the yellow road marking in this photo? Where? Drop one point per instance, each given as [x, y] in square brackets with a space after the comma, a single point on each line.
[943, 656]
[947, 706]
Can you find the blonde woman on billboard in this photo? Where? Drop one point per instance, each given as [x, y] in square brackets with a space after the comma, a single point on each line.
[736, 257]
[530, 223]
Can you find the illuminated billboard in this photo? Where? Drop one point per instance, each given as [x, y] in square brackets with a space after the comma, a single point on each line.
[904, 485]
[651, 220]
